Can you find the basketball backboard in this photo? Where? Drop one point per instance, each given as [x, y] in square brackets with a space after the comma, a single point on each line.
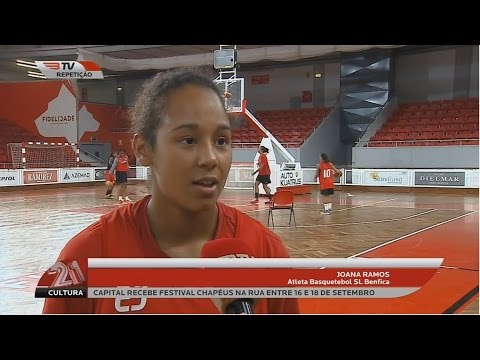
[233, 93]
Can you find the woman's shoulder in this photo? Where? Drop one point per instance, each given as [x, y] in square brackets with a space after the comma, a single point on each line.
[116, 227]
[264, 241]
[86, 244]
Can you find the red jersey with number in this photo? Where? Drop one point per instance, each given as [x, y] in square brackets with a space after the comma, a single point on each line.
[326, 176]
[125, 233]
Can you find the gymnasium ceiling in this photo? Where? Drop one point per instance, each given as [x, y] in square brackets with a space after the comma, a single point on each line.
[143, 57]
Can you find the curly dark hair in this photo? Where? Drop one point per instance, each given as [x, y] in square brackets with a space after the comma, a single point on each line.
[148, 110]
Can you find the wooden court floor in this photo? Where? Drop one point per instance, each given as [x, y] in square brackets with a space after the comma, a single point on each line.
[35, 225]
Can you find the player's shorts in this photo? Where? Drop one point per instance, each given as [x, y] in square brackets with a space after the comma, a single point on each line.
[121, 177]
[264, 179]
[327, 191]
[109, 176]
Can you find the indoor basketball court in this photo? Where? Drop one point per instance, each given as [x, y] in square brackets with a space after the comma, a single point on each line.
[409, 159]
[36, 224]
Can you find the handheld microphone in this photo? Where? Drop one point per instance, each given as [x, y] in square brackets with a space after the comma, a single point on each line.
[239, 306]
[231, 248]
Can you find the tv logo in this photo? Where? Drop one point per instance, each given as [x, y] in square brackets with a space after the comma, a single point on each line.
[64, 279]
[70, 69]
[66, 274]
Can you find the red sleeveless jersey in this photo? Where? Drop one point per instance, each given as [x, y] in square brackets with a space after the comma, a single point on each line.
[326, 176]
[262, 160]
[122, 163]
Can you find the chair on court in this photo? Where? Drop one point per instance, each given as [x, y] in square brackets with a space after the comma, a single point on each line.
[282, 200]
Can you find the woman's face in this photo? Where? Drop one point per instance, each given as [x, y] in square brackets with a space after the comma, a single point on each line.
[193, 152]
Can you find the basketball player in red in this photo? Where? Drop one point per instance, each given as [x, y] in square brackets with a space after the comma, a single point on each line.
[120, 166]
[110, 176]
[325, 173]
[263, 176]
[182, 132]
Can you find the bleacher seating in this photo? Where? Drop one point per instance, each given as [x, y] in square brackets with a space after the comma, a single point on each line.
[434, 123]
[291, 127]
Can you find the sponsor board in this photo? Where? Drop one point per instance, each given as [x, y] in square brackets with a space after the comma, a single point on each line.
[76, 175]
[132, 173]
[440, 178]
[9, 177]
[385, 178]
[99, 173]
[289, 178]
[474, 179]
[41, 176]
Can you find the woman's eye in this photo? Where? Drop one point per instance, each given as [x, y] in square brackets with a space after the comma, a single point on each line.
[222, 141]
[188, 141]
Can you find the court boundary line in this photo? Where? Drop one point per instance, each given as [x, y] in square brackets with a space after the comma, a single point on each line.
[466, 298]
[365, 205]
[462, 301]
[413, 233]
[363, 222]
[321, 203]
[448, 267]
[343, 209]
[429, 207]
[355, 207]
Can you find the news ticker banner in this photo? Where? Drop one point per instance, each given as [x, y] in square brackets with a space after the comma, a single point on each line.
[258, 277]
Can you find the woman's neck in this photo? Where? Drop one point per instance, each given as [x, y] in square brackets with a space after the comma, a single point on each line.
[178, 232]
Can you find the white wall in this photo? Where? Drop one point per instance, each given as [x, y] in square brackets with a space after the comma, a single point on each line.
[426, 76]
[332, 84]
[430, 76]
[131, 89]
[474, 73]
[441, 73]
[101, 91]
[283, 84]
[416, 157]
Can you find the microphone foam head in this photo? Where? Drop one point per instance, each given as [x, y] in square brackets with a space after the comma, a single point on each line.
[230, 248]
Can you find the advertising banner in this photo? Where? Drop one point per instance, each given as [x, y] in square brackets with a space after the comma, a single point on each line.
[99, 173]
[289, 178]
[9, 177]
[76, 175]
[440, 178]
[40, 176]
[386, 178]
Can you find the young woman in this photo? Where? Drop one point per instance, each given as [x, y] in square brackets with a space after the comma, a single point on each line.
[263, 176]
[120, 166]
[110, 176]
[325, 173]
[182, 132]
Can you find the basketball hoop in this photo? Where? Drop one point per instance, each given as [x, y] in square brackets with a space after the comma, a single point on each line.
[232, 93]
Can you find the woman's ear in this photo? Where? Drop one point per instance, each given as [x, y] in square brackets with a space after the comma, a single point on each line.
[143, 151]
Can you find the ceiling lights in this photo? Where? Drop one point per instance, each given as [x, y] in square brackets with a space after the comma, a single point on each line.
[31, 65]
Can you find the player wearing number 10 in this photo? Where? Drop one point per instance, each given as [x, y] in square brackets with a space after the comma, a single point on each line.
[325, 173]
